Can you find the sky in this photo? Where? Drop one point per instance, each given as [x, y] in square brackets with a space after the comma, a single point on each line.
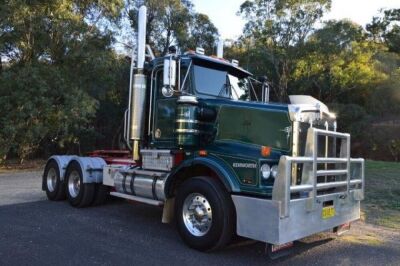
[223, 12]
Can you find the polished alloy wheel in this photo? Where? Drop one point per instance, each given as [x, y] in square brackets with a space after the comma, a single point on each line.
[74, 184]
[197, 214]
[51, 179]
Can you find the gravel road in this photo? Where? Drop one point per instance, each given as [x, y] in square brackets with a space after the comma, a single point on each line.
[34, 231]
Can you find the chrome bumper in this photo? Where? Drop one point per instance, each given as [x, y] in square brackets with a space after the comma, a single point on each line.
[285, 218]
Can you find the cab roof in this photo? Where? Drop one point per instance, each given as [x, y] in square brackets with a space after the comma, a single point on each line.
[211, 62]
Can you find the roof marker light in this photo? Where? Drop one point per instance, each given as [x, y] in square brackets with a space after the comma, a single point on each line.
[200, 50]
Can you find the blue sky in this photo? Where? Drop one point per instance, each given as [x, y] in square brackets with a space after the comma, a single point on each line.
[223, 12]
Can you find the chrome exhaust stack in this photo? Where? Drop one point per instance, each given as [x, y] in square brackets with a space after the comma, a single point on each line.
[137, 88]
[220, 48]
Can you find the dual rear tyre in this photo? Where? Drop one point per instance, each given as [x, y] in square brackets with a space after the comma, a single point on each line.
[52, 183]
[72, 188]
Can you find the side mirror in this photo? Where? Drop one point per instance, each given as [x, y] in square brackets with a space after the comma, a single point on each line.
[169, 78]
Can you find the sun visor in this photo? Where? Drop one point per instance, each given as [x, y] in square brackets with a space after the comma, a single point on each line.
[308, 100]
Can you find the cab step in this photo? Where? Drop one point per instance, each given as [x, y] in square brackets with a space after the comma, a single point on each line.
[138, 199]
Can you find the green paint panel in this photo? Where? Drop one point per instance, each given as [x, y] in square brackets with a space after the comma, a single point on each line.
[165, 118]
[254, 126]
[245, 169]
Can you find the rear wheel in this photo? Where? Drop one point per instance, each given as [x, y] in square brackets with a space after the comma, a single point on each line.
[79, 194]
[204, 214]
[53, 185]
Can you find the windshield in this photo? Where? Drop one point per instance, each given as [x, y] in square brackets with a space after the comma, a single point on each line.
[220, 83]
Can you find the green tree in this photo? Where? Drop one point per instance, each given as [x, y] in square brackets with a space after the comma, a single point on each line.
[174, 22]
[338, 64]
[37, 104]
[58, 71]
[385, 28]
[277, 30]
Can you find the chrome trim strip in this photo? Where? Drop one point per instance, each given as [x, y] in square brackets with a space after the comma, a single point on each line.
[194, 131]
[193, 121]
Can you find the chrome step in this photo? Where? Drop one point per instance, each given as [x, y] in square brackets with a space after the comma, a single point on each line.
[138, 199]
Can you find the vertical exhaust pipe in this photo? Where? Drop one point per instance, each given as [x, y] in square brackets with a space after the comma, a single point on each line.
[137, 90]
[220, 48]
[141, 42]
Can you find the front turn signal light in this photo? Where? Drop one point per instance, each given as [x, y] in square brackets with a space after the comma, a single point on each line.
[203, 153]
[265, 151]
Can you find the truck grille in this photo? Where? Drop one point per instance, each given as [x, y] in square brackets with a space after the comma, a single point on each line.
[328, 147]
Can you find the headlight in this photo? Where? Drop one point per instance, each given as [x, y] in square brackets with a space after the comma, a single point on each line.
[265, 171]
[274, 170]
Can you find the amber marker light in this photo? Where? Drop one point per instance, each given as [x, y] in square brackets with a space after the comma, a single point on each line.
[265, 151]
[202, 152]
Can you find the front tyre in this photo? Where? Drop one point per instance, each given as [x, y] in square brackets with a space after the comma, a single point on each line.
[204, 214]
[79, 194]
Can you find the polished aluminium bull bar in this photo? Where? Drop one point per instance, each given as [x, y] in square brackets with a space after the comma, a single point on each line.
[296, 208]
[284, 187]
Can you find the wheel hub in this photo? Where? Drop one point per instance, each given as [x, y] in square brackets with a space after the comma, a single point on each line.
[197, 214]
[74, 184]
[51, 179]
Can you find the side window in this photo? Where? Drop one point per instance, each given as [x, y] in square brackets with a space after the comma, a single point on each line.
[159, 83]
[186, 80]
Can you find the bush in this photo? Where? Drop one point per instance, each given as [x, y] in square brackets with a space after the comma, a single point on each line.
[39, 105]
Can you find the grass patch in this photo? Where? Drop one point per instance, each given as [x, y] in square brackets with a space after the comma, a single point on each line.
[382, 194]
[371, 240]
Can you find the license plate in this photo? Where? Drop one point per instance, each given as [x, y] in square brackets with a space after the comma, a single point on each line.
[328, 212]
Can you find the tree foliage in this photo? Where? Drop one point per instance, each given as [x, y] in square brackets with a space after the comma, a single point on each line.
[57, 58]
[278, 29]
[174, 22]
[386, 28]
[337, 64]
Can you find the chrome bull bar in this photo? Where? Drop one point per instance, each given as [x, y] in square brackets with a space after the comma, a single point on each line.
[353, 169]
[297, 206]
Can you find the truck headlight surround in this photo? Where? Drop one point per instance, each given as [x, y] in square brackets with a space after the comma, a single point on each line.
[274, 170]
[265, 170]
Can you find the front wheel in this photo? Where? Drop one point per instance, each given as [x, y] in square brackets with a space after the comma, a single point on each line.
[204, 214]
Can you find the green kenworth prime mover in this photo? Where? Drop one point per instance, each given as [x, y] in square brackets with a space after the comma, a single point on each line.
[204, 142]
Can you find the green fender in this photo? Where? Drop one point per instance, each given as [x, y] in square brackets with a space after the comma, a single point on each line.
[224, 173]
